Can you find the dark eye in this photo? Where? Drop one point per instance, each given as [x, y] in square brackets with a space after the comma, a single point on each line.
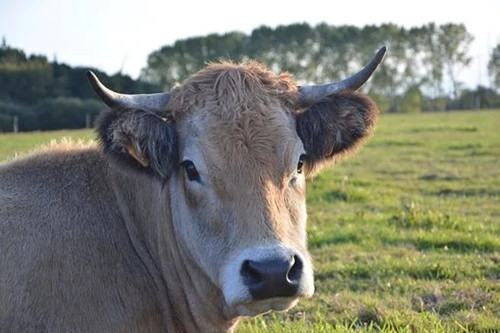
[300, 164]
[191, 171]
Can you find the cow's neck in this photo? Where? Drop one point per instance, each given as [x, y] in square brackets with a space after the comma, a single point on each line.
[189, 300]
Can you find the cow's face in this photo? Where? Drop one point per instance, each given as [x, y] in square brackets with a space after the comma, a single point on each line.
[235, 145]
[241, 190]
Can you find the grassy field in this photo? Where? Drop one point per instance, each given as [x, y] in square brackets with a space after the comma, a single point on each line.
[12, 145]
[405, 236]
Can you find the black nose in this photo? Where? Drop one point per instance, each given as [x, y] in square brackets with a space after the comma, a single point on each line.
[272, 278]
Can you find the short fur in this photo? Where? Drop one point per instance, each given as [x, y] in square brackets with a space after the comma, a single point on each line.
[220, 85]
[116, 238]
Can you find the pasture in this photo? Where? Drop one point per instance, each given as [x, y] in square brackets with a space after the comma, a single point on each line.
[405, 236]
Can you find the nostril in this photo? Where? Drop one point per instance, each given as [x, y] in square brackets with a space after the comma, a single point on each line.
[250, 273]
[295, 272]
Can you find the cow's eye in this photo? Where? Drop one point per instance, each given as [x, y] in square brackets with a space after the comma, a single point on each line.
[300, 164]
[191, 171]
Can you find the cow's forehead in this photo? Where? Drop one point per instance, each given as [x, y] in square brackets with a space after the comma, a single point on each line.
[260, 143]
[241, 120]
[230, 89]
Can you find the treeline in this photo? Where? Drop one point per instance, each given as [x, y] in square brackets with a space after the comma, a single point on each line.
[37, 94]
[420, 71]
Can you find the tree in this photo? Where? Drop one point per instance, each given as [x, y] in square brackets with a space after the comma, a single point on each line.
[65, 112]
[49, 95]
[429, 57]
[454, 42]
[173, 63]
[412, 101]
[494, 68]
[430, 63]
[23, 79]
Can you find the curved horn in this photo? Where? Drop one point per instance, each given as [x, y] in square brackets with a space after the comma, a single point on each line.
[313, 93]
[152, 102]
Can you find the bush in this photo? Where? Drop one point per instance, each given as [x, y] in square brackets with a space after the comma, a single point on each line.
[6, 123]
[49, 114]
[27, 119]
[65, 112]
[412, 101]
[434, 104]
[382, 102]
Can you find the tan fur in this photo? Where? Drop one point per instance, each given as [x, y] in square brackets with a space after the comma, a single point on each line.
[244, 108]
[132, 151]
[229, 89]
[248, 139]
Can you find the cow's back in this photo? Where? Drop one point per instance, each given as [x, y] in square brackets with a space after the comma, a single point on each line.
[66, 261]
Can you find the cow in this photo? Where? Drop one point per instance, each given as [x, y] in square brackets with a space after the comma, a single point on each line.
[187, 215]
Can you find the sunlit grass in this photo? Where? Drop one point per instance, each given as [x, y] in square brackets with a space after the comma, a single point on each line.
[12, 145]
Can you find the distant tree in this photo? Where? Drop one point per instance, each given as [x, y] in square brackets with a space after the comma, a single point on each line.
[412, 100]
[6, 123]
[382, 102]
[453, 46]
[429, 57]
[424, 41]
[479, 98]
[434, 103]
[420, 71]
[27, 118]
[494, 68]
[51, 95]
[23, 79]
[65, 112]
[173, 63]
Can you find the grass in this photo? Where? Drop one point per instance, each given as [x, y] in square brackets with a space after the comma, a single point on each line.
[405, 235]
[12, 145]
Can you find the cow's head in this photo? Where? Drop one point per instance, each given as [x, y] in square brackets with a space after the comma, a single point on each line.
[234, 145]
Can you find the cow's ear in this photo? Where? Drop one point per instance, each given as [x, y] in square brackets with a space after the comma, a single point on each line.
[140, 140]
[335, 127]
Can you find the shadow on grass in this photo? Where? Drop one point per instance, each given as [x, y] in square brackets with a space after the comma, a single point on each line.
[471, 192]
[316, 241]
[484, 245]
[444, 129]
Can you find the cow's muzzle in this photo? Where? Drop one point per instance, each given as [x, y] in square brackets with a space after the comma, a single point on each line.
[264, 278]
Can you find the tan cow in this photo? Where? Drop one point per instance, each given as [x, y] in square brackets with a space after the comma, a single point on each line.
[189, 214]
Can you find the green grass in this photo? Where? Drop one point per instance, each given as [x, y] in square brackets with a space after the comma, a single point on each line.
[405, 235]
[12, 145]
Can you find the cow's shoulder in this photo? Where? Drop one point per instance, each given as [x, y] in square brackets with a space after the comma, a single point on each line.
[60, 182]
[63, 240]
[54, 163]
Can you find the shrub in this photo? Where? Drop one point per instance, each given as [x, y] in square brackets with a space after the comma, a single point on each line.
[412, 101]
[27, 119]
[65, 112]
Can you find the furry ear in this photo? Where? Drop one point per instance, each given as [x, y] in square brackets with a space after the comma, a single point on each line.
[335, 128]
[140, 140]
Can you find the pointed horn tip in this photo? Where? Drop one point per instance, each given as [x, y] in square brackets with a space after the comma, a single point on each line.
[381, 52]
[90, 74]
[107, 96]
[93, 79]
[317, 92]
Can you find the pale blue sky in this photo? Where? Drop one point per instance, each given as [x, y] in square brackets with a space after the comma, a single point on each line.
[119, 34]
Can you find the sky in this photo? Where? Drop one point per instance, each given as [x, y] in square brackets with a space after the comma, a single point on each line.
[118, 35]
